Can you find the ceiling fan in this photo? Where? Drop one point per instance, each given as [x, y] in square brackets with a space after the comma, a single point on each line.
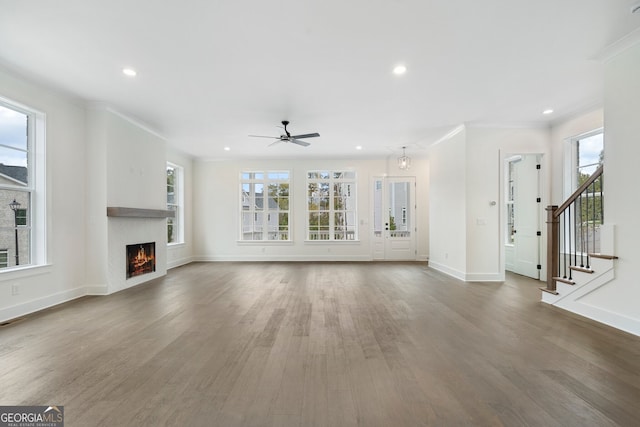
[287, 137]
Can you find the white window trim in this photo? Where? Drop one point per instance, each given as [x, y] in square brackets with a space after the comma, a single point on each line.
[265, 183]
[37, 186]
[178, 188]
[570, 181]
[332, 180]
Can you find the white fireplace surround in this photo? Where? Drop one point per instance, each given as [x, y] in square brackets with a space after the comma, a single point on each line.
[123, 231]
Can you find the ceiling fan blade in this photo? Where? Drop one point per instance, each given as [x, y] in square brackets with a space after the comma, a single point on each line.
[262, 136]
[306, 135]
[275, 142]
[303, 143]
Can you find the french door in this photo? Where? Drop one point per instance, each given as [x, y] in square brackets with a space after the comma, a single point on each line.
[394, 208]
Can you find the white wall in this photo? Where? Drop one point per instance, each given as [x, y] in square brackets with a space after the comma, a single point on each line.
[561, 133]
[466, 170]
[64, 278]
[616, 303]
[216, 208]
[96, 199]
[487, 149]
[447, 206]
[95, 157]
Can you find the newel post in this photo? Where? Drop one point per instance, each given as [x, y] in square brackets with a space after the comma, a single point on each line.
[553, 251]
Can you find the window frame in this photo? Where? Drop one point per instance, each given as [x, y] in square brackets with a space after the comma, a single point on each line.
[249, 208]
[177, 222]
[571, 155]
[572, 174]
[35, 189]
[509, 234]
[330, 210]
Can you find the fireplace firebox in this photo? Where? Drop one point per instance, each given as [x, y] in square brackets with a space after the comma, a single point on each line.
[141, 259]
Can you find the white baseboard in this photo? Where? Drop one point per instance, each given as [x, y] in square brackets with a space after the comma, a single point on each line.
[180, 262]
[484, 277]
[467, 277]
[609, 318]
[32, 306]
[284, 258]
[97, 290]
[447, 270]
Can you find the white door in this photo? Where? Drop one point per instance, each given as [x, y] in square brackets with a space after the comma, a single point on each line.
[394, 207]
[523, 215]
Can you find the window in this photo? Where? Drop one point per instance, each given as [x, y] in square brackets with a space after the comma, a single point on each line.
[264, 206]
[21, 136]
[21, 217]
[331, 205]
[175, 203]
[4, 258]
[511, 231]
[590, 155]
[585, 154]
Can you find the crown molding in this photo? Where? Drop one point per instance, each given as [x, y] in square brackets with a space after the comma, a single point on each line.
[619, 46]
[449, 135]
[98, 105]
[538, 124]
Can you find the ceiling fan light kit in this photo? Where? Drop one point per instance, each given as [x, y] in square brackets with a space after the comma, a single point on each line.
[287, 137]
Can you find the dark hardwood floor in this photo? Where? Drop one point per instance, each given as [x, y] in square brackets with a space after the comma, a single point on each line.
[303, 344]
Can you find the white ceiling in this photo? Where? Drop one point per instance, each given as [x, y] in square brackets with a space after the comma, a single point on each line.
[211, 72]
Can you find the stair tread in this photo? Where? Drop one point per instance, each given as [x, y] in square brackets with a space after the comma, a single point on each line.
[563, 280]
[603, 256]
[549, 291]
[582, 269]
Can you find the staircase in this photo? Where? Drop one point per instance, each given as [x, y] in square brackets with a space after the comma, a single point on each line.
[584, 281]
[579, 246]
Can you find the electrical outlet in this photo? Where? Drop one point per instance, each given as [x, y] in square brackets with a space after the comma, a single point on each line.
[15, 289]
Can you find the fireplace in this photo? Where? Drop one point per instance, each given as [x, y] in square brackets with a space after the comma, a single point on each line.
[141, 259]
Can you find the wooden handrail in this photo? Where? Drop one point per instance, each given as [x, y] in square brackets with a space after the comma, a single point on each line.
[579, 191]
[553, 233]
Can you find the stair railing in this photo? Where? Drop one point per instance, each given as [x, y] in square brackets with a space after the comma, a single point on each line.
[573, 231]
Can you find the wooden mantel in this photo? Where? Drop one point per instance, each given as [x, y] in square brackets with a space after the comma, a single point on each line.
[114, 211]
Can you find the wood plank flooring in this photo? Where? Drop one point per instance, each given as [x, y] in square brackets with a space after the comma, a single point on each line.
[321, 344]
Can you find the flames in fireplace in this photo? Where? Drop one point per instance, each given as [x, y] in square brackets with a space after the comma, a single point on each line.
[141, 259]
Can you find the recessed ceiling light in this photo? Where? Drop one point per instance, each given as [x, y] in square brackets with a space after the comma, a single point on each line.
[547, 111]
[399, 70]
[358, 147]
[227, 148]
[129, 72]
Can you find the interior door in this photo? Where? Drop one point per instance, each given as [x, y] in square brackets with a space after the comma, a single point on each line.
[524, 215]
[394, 230]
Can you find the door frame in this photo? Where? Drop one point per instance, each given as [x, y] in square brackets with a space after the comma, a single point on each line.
[375, 241]
[544, 201]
